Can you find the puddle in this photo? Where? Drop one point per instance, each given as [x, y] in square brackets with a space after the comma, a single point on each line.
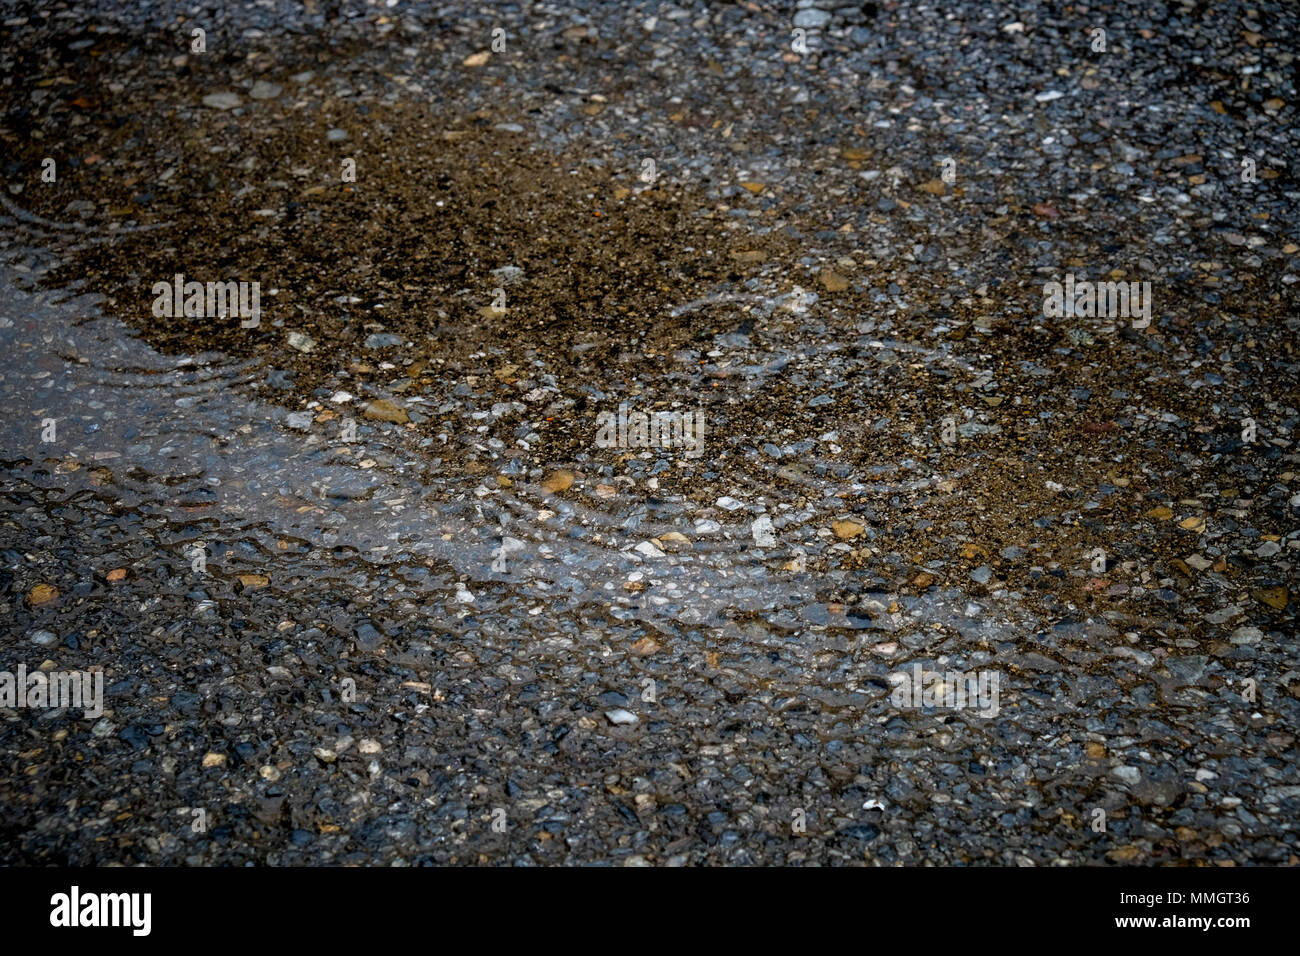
[190, 449]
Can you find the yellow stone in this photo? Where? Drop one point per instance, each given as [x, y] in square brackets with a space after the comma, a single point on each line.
[1275, 598]
[833, 281]
[386, 411]
[42, 594]
[558, 481]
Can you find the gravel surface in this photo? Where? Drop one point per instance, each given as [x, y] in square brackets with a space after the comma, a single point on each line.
[656, 441]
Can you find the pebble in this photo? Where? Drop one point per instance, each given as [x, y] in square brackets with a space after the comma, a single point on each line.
[301, 341]
[558, 481]
[649, 549]
[1276, 598]
[300, 421]
[620, 716]
[812, 18]
[262, 90]
[1126, 774]
[1247, 635]
[385, 411]
[42, 594]
[763, 532]
[222, 101]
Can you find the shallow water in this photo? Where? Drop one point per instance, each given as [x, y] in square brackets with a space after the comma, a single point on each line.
[194, 449]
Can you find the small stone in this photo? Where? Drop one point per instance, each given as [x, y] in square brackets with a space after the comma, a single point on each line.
[1195, 524]
[558, 481]
[213, 759]
[116, 575]
[1268, 549]
[674, 541]
[299, 421]
[1187, 669]
[369, 746]
[42, 594]
[1094, 750]
[262, 90]
[43, 638]
[833, 281]
[251, 582]
[1197, 562]
[1223, 615]
[645, 647]
[1129, 775]
[844, 530]
[1275, 598]
[222, 101]
[477, 59]
[1247, 635]
[301, 341]
[648, 549]
[384, 340]
[763, 532]
[336, 135]
[729, 503]
[812, 18]
[620, 716]
[923, 580]
[1160, 513]
[387, 411]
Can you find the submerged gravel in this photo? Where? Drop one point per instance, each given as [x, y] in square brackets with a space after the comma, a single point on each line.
[366, 582]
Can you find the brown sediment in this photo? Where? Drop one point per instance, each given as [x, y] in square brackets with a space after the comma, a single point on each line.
[441, 201]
